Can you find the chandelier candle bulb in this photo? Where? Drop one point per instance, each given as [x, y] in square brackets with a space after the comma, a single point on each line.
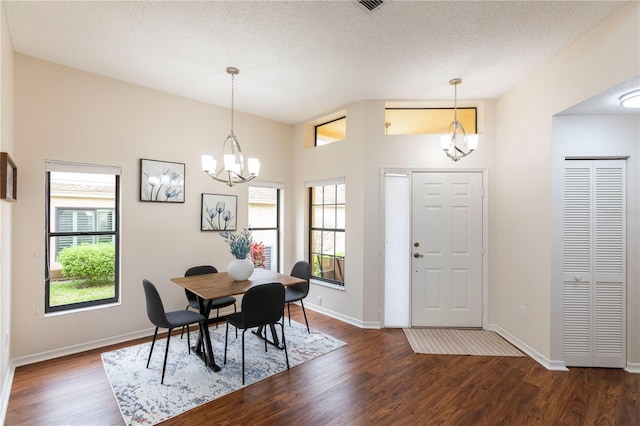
[230, 163]
[254, 166]
[208, 163]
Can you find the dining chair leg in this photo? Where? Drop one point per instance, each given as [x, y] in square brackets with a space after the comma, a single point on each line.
[243, 356]
[226, 339]
[289, 312]
[166, 355]
[305, 316]
[188, 340]
[217, 316]
[155, 334]
[284, 343]
[235, 311]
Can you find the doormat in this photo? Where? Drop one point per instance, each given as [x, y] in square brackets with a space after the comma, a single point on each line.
[445, 341]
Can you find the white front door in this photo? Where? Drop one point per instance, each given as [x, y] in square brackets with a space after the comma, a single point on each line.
[446, 284]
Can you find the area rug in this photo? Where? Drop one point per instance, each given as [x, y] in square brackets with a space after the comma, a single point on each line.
[188, 383]
[459, 342]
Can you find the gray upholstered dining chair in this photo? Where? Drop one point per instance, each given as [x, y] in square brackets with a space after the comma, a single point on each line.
[262, 305]
[169, 320]
[216, 304]
[297, 292]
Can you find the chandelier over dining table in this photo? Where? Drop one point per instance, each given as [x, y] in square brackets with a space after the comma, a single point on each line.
[232, 169]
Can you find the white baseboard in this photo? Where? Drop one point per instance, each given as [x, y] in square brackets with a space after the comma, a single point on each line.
[70, 350]
[343, 318]
[633, 367]
[553, 365]
[6, 391]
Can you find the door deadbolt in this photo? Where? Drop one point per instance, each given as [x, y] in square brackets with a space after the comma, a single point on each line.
[416, 244]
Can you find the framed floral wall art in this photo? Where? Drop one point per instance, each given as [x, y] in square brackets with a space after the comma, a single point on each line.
[218, 212]
[161, 181]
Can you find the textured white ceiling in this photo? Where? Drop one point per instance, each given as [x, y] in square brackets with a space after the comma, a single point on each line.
[300, 60]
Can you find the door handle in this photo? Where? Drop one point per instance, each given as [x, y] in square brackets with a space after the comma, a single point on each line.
[417, 255]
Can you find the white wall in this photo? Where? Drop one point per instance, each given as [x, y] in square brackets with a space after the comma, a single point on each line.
[598, 136]
[360, 158]
[65, 114]
[600, 59]
[6, 208]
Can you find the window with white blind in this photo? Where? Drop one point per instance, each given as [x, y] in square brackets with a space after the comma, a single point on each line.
[82, 236]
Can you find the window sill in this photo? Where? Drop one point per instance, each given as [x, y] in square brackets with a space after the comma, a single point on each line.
[326, 284]
[89, 308]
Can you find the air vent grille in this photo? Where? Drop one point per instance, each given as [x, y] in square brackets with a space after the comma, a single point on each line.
[370, 4]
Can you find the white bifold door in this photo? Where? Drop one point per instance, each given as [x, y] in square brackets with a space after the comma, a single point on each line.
[594, 264]
[446, 282]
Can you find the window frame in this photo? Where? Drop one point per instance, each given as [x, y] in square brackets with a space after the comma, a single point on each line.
[336, 230]
[315, 131]
[277, 229]
[81, 168]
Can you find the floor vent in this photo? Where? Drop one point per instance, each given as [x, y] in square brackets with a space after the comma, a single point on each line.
[371, 4]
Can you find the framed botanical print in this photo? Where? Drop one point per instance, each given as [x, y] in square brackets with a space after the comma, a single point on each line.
[8, 178]
[218, 212]
[161, 181]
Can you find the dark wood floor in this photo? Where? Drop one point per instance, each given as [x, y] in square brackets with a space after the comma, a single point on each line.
[375, 379]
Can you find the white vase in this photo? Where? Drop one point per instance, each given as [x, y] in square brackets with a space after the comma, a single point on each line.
[240, 269]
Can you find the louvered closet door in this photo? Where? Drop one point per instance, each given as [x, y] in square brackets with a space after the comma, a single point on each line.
[594, 263]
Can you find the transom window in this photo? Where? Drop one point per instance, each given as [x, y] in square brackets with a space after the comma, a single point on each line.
[327, 232]
[332, 131]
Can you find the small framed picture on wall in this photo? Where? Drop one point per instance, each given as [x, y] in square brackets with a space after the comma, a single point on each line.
[161, 181]
[218, 212]
[8, 178]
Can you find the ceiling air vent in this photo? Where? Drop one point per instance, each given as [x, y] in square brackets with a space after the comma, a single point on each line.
[370, 4]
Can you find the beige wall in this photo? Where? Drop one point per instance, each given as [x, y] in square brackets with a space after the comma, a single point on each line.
[360, 158]
[604, 57]
[65, 114]
[6, 208]
[515, 152]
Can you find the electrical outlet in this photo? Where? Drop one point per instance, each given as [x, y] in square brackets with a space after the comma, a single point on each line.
[523, 311]
[319, 300]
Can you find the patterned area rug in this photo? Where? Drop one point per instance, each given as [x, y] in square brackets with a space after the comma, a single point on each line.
[459, 342]
[188, 383]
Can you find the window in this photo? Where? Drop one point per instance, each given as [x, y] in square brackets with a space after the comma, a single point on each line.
[327, 232]
[332, 131]
[82, 231]
[264, 222]
[416, 121]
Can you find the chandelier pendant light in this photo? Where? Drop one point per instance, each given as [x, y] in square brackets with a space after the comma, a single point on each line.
[458, 144]
[232, 169]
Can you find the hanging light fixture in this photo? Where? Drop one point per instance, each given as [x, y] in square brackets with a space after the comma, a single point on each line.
[231, 171]
[458, 144]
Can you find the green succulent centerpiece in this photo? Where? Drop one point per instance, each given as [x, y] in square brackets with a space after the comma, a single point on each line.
[239, 244]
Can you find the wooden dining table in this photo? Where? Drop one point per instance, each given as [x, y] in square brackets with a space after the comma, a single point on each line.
[212, 286]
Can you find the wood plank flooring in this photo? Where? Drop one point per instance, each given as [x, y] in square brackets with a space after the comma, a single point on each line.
[376, 379]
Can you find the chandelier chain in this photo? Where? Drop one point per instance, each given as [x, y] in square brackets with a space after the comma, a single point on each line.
[232, 98]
